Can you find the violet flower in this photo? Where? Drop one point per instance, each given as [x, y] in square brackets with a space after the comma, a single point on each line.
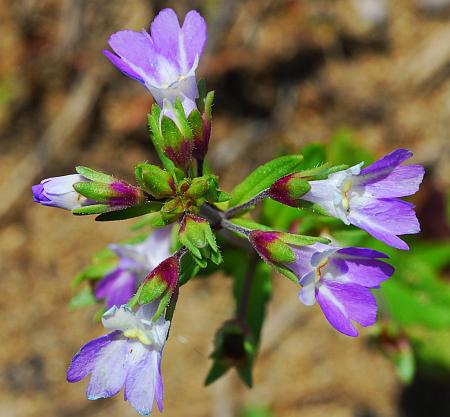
[59, 192]
[129, 357]
[368, 198]
[165, 59]
[135, 263]
[338, 278]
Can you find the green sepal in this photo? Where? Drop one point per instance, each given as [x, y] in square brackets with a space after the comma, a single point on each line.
[158, 142]
[130, 212]
[209, 100]
[300, 240]
[280, 252]
[151, 290]
[154, 180]
[93, 175]
[196, 123]
[93, 209]
[196, 234]
[163, 303]
[185, 128]
[263, 177]
[172, 210]
[223, 196]
[97, 191]
[199, 187]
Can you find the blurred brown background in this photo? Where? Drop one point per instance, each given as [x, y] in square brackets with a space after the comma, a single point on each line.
[286, 73]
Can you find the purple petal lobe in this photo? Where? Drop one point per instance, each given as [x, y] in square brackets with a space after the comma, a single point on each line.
[194, 36]
[110, 371]
[117, 288]
[388, 162]
[385, 219]
[399, 182]
[363, 271]
[143, 379]
[165, 31]
[136, 50]
[361, 252]
[84, 361]
[342, 303]
[123, 66]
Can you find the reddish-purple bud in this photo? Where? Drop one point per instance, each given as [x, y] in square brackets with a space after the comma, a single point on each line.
[289, 189]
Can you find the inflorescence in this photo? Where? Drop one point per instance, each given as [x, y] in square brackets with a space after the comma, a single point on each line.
[182, 201]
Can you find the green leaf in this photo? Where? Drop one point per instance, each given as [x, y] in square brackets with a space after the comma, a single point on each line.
[95, 271]
[218, 369]
[130, 212]
[263, 177]
[84, 298]
[93, 175]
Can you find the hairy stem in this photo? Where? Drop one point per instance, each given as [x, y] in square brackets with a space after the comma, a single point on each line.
[234, 227]
[232, 212]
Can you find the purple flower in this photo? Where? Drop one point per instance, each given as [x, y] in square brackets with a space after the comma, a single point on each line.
[368, 198]
[165, 59]
[135, 263]
[338, 278]
[59, 192]
[129, 357]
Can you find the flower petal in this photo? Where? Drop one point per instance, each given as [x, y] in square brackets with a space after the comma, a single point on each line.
[387, 163]
[84, 361]
[367, 272]
[307, 294]
[400, 182]
[122, 66]
[342, 303]
[143, 383]
[194, 37]
[165, 31]
[110, 370]
[117, 288]
[137, 52]
[385, 219]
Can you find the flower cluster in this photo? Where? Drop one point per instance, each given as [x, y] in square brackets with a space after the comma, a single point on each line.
[184, 203]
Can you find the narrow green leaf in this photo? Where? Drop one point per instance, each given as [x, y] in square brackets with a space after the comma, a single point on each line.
[84, 298]
[218, 369]
[263, 177]
[130, 212]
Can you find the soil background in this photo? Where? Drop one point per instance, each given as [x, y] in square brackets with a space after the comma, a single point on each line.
[286, 73]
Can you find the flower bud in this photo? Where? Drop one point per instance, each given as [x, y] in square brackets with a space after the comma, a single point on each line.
[289, 189]
[172, 210]
[271, 246]
[59, 192]
[160, 283]
[154, 180]
[196, 234]
[198, 188]
[117, 194]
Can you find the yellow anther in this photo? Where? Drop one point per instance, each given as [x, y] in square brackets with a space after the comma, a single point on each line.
[345, 189]
[137, 334]
[319, 268]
